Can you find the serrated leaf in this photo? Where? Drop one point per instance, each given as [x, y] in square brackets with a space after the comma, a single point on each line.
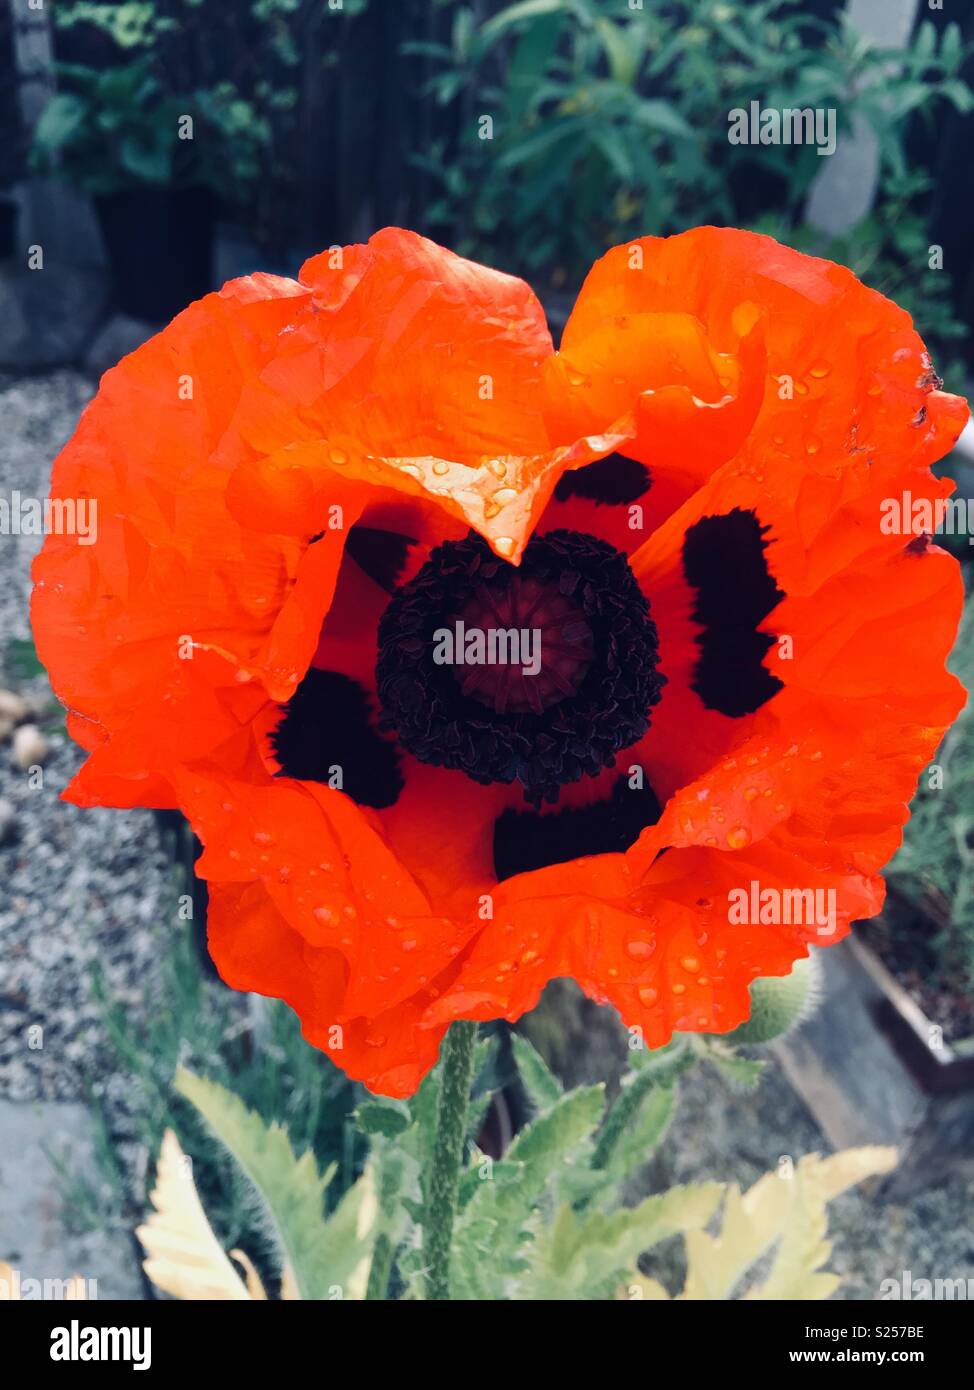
[789, 1211]
[804, 1247]
[540, 1083]
[323, 1255]
[551, 1137]
[500, 1172]
[580, 1254]
[183, 1256]
[635, 1124]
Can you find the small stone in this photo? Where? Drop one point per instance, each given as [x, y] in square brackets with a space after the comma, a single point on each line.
[30, 747]
[13, 707]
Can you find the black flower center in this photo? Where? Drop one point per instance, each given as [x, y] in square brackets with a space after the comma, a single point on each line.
[540, 673]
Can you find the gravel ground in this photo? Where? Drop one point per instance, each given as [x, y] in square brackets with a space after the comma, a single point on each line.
[78, 886]
[85, 886]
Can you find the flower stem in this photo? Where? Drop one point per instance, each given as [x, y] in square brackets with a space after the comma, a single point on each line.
[444, 1178]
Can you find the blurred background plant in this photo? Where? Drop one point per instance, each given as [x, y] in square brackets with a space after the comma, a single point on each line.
[115, 120]
[606, 126]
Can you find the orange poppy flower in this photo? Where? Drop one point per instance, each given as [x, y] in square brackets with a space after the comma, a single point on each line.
[731, 677]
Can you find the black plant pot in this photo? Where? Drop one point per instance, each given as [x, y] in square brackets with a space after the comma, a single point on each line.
[160, 248]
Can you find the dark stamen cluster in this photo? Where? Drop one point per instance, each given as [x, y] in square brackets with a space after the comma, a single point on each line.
[607, 711]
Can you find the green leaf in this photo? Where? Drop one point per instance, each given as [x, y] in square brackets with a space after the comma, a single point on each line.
[540, 1083]
[742, 1072]
[150, 162]
[662, 116]
[625, 45]
[322, 1254]
[550, 1138]
[514, 14]
[635, 1124]
[385, 1117]
[501, 1172]
[583, 1256]
[60, 121]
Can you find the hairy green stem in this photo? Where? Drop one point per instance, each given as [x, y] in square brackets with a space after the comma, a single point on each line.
[444, 1178]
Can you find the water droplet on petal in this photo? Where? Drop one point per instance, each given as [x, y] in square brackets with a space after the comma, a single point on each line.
[739, 837]
[640, 950]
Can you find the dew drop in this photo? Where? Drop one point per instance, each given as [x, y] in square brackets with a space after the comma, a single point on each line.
[739, 837]
[440, 467]
[338, 456]
[640, 950]
[648, 995]
[504, 545]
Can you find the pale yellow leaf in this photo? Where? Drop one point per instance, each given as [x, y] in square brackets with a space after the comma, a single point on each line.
[183, 1256]
[796, 1273]
[254, 1286]
[368, 1213]
[787, 1212]
[751, 1224]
